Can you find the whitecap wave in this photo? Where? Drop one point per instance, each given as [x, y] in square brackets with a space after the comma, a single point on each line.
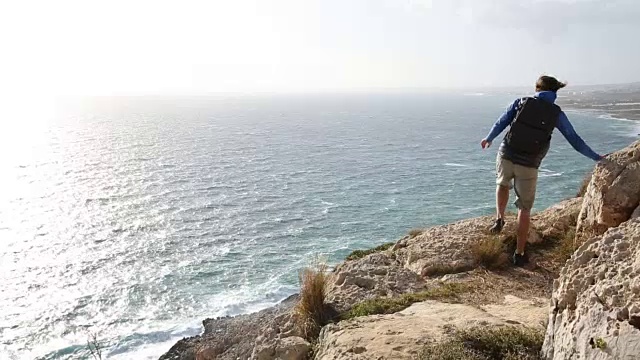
[250, 299]
[550, 174]
[611, 117]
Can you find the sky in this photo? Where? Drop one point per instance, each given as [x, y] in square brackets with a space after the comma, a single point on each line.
[194, 47]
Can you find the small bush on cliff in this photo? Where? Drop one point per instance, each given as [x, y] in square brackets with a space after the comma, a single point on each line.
[490, 253]
[440, 269]
[357, 254]
[385, 305]
[415, 232]
[584, 185]
[598, 343]
[565, 247]
[488, 343]
[311, 310]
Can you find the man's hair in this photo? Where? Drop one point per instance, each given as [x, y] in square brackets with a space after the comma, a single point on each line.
[549, 83]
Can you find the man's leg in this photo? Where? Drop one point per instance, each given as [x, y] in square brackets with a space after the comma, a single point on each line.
[504, 175]
[524, 219]
[502, 198]
[526, 180]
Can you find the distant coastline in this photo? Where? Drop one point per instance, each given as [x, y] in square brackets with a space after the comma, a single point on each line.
[606, 114]
[621, 102]
[600, 114]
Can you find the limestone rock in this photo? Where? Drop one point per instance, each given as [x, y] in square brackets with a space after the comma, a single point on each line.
[402, 335]
[374, 275]
[596, 299]
[279, 339]
[293, 348]
[613, 192]
[514, 310]
[208, 352]
[288, 348]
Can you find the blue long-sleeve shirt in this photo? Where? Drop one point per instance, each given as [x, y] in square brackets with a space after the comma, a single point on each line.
[563, 125]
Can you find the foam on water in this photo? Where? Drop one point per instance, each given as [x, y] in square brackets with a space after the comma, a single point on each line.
[611, 117]
[138, 221]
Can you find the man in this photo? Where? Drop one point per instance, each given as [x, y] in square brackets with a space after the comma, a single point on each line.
[532, 121]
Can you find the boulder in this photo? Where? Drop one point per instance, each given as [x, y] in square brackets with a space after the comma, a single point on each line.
[595, 306]
[613, 192]
[403, 335]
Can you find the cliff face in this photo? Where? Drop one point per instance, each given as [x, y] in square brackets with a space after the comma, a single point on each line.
[595, 311]
[595, 305]
[439, 290]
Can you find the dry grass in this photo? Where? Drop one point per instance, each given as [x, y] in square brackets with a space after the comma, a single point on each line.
[488, 343]
[357, 254]
[490, 253]
[565, 247]
[588, 233]
[584, 185]
[386, 305]
[311, 310]
[444, 269]
[94, 346]
[490, 287]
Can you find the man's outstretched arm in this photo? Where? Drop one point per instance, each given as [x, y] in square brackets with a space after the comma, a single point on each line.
[574, 139]
[503, 121]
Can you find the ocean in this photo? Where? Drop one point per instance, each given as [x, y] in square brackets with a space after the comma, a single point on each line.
[135, 218]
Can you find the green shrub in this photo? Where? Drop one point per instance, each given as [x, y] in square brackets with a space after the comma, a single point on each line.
[444, 269]
[387, 305]
[357, 254]
[598, 343]
[565, 247]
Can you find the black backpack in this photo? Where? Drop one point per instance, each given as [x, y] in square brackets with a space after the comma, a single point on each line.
[531, 129]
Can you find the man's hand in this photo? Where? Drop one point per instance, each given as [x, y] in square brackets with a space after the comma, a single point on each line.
[485, 143]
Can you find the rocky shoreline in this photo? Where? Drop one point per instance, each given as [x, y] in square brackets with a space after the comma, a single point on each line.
[447, 292]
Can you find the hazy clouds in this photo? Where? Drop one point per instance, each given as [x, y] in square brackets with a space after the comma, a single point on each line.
[144, 46]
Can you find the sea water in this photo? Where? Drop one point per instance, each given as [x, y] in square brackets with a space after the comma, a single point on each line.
[135, 218]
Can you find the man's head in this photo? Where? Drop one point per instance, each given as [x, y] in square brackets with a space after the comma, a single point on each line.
[549, 83]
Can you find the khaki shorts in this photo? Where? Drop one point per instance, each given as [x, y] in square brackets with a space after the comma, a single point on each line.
[524, 178]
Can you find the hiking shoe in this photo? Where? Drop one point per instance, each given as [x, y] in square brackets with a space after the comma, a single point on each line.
[497, 226]
[520, 260]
